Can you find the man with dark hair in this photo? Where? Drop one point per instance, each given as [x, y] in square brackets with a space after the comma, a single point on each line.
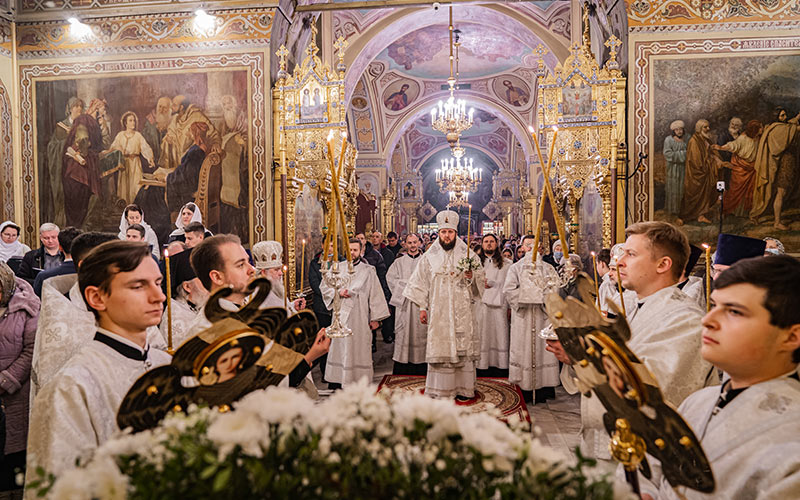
[135, 232]
[665, 326]
[76, 412]
[392, 243]
[748, 426]
[194, 232]
[410, 333]
[65, 237]
[491, 312]
[363, 307]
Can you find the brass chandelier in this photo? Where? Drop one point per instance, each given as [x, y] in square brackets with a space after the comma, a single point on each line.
[458, 179]
[451, 117]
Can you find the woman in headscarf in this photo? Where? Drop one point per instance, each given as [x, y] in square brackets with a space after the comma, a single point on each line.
[10, 246]
[189, 213]
[134, 215]
[19, 313]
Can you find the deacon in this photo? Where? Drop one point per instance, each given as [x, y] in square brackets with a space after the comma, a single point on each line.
[530, 366]
[665, 331]
[491, 312]
[268, 259]
[748, 426]
[363, 307]
[410, 333]
[76, 412]
[445, 290]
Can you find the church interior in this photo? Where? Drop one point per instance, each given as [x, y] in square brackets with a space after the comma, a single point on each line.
[309, 122]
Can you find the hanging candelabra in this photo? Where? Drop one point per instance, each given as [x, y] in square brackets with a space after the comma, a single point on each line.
[458, 176]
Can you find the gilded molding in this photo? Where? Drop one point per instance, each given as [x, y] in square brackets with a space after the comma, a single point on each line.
[7, 151]
[669, 15]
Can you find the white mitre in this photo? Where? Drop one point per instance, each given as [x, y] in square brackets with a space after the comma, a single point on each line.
[447, 219]
[267, 255]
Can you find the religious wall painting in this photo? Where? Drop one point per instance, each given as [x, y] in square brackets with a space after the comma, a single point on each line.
[731, 123]
[400, 94]
[313, 104]
[513, 90]
[409, 190]
[359, 103]
[576, 99]
[369, 189]
[507, 191]
[590, 231]
[158, 140]
[308, 226]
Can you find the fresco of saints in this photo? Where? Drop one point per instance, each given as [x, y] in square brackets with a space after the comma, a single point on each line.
[700, 181]
[515, 96]
[179, 138]
[398, 100]
[53, 191]
[81, 177]
[182, 183]
[133, 147]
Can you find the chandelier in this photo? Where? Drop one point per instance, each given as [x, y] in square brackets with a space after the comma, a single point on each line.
[458, 177]
[451, 117]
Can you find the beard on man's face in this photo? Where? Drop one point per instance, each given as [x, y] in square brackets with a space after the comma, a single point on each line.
[448, 246]
[488, 253]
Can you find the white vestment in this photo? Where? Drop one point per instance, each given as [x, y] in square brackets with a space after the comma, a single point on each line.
[350, 358]
[77, 411]
[275, 299]
[609, 292]
[410, 335]
[753, 443]
[666, 335]
[491, 316]
[65, 326]
[453, 346]
[183, 315]
[530, 365]
[696, 289]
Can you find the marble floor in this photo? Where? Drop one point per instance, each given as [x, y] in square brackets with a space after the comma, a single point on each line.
[558, 421]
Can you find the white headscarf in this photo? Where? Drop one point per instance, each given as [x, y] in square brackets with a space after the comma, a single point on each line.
[196, 217]
[16, 249]
[149, 235]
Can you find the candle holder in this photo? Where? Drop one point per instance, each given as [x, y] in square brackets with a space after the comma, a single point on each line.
[336, 279]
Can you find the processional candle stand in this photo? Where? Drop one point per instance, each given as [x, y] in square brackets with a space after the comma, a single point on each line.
[333, 274]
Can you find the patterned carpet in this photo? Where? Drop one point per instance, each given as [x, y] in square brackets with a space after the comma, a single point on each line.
[489, 393]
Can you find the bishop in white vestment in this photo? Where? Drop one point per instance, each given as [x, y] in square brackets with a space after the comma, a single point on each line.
[491, 312]
[363, 305]
[530, 365]
[445, 295]
[268, 259]
[410, 335]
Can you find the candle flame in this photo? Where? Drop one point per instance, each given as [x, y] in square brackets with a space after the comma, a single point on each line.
[166, 253]
[555, 129]
[705, 245]
[304, 241]
[593, 254]
[530, 129]
[344, 134]
[330, 135]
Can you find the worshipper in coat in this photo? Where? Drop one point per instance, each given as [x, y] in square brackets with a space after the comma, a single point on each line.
[268, 260]
[491, 312]
[748, 426]
[222, 262]
[530, 366]
[65, 237]
[693, 286]
[188, 299]
[134, 215]
[410, 335]
[445, 295]
[47, 256]
[732, 248]
[189, 213]
[10, 246]
[665, 326]
[75, 413]
[19, 311]
[65, 323]
[363, 306]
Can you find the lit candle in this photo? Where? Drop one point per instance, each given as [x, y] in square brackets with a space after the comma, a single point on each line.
[621, 300]
[469, 228]
[302, 264]
[708, 276]
[170, 350]
[596, 286]
[285, 287]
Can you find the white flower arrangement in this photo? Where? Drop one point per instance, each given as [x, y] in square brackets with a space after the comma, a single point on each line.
[467, 264]
[277, 443]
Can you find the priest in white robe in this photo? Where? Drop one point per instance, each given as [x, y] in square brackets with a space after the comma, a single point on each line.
[748, 426]
[445, 290]
[693, 286]
[491, 312]
[363, 306]
[268, 260]
[410, 335]
[530, 365]
[665, 329]
[75, 412]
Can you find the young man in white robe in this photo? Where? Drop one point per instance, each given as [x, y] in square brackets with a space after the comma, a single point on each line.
[363, 306]
[665, 329]
[693, 286]
[491, 312]
[268, 260]
[410, 335]
[446, 293]
[530, 365]
[76, 412]
[748, 426]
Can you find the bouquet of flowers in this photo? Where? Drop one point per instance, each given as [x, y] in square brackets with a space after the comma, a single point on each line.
[468, 264]
[278, 443]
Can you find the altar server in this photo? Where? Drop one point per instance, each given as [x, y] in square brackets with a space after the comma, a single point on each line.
[530, 365]
[491, 312]
[410, 334]
[76, 412]
[748, 426]
[363, 306]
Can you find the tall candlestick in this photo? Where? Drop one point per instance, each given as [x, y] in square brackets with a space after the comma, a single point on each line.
[596, 286]
[708, 276]
[285, 287]
[469, 229]
[621, 299]
[302, 265]
[170, 350]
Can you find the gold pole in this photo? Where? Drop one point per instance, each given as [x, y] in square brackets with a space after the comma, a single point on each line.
[708, 276]
[621, 299]
[170, 350]
[596, 286]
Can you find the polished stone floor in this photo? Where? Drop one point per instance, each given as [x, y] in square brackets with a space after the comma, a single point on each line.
[558, 421]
